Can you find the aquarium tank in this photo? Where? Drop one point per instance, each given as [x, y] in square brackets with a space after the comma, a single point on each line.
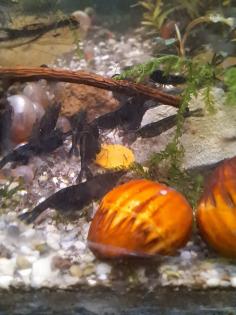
[117, 157]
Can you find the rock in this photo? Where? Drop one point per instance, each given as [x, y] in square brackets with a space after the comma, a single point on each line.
[5, 282]
[211, 138]
[103, 270]
[213, 282]
[7, 267]
[13, 231]
[5, 252]
[22, 262]
[53, 240]
[206, 139]
[88, 269]
[233, 281]
[61, 263]
[77, 96]
[42, 274]
[25, 275]
[76, 271]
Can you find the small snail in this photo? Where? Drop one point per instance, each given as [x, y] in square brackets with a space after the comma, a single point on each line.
[29, 107]
[24, 115]
[142, 218]
[216, 211]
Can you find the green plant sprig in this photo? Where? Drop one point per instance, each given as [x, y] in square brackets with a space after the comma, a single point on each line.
[200, 76]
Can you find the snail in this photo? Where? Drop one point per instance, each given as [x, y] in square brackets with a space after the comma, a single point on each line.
[24, 115]
[216, 211]
[140, 218]
[29, 107]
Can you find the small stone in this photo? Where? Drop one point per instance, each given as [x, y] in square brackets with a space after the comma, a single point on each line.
[22, 262]
[5, 282]
[42, 248]
[61, 263]
[92, 282]
[4, 252]
[68, 280]
[42, 273]
[25, 275]
[88, 270]
[27, 251]
[13, 231]
[103, 269]
[43, 177]
[213, 282]
[186, 255]
[7, 266]
[13, 185]
[80, 245]
[28, 234]
[76, 271]
[233, 281]
[2, 225]
[53, 241]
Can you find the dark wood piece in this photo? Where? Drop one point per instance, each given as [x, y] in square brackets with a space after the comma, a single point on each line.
[23, 74]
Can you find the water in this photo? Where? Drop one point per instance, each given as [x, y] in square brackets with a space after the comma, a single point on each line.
[113, 22]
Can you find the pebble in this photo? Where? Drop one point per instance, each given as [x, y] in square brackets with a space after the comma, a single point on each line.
[13, 186]
[5, 282]
[7, 266]
[13, 231]
[76, 271]
[91, 282]
[233, 281]
[22, 262]
[25, 275]
[5, 252]
[42, 273]
[103, 269]
[213, 282]
[53, 241]
[186, 255]
[60, 263]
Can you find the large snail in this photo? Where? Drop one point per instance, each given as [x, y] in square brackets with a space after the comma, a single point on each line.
[142, 218]
[216, 211]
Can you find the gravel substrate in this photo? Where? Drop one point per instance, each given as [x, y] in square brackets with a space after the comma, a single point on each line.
[54, 253]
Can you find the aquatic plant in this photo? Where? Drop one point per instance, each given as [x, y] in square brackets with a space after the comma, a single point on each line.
[156, 12]
[199, 77]
[154, 16]
[8, 194]
[230, 82]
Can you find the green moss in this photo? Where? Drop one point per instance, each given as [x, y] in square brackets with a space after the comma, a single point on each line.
[230, 82]
[165, 166]
[9, 195]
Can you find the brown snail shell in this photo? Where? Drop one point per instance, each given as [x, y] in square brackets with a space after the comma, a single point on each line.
[140, 217]
[216, 211]
[24, 115]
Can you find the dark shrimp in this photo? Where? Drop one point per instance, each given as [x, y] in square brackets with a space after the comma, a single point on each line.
[76, 197]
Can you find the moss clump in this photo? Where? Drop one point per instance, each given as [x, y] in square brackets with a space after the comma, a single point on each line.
[9, 195]
[230, 82]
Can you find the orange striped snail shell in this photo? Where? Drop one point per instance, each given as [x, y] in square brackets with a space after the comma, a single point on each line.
[142, 218]
[216, 211]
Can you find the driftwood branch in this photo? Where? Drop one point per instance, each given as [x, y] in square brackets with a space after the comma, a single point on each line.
[23, 74]
[35, 30]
